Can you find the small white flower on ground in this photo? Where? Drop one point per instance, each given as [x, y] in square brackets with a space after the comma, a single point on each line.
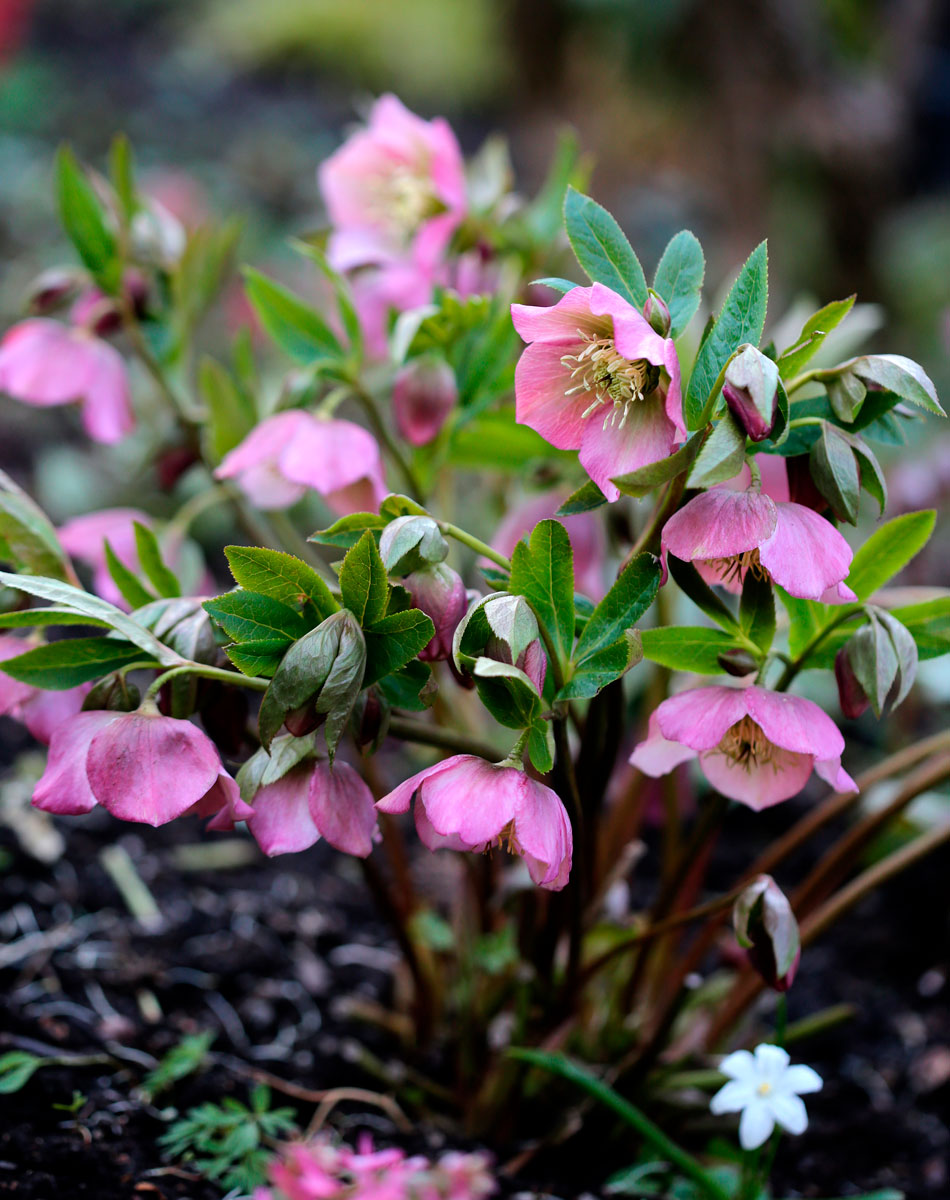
[767, 1091]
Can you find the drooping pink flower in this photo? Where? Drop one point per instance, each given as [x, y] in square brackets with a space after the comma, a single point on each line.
[424, 393]
[40, 711]
[293, 451]
[45, 363]
[595, 377]
[84, 538]
[311, 801]
[754, 746]
[466, 803]
[727, 533]
[588, 540]
[439, 592]
[395, 187]
[140, 766]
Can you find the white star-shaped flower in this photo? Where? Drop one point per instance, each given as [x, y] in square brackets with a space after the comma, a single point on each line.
[767, 1091]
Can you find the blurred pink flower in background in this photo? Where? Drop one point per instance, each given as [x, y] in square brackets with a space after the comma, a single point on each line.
[588, 539]
[293, 451]
[590, 379]
[424, 394]
[311, 801]
[467, 803]
[754, 746]
[45, 363]
[40, 711]
[141, 766]
[84, 538]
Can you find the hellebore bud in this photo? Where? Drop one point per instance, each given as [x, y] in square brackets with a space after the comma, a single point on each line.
[657, 313]
[114, 693]
[750, 389]
[424, 393]
[370, 719]
[503, 628]
[737, 662]
[440, 593]
[766, 928]
[410, 544]
[53, 288]
[879, 663]
[318, 679]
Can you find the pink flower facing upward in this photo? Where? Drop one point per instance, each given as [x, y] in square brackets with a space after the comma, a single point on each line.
[311, 801]
[597, 378]
[140, 766]
[46, 363]
[41, 712]
[728, 533]
[293, 451]
[754, 746]
[466, 803]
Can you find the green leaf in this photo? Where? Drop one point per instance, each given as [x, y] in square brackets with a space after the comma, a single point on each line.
[679, 279]
[624, 605]
[555, 283]
[231, 415]
[835, 472]
[687, 648]
[17, 1067]
[150, 556]
[742, 320]
[282, 577]
[540, 751]
[757, 610]
[27, 535]
[545, 213]
[408, 687]
[58, 666]
[84, 220]
[133, 593]
[806, 618]
[30, 618]
[888, 550]
[257, 658]
[587, 497]
[184, 1059]
[251, 617]
[507, 693]
[646, 479]
[201, 270]
[92, 606]
[364, 583]
[602, 667]
[897, 374]
[297, 328]
[813, 333]
[692, 584]
[349, 318]
[348, 530]
[494, 441]
[394, 641]
[722, 455]
[123, 175]
[543, 572]
[602, 248]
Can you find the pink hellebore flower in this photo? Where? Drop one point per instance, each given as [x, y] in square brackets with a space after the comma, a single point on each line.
[466, 803]
[591, 379]
[395, 187]
[588, 540]
[728, 533]
[293, 451]
[41, 712]
[45, 363]
[141, 766]
[311, 801]
[754, 746]
[84, 538]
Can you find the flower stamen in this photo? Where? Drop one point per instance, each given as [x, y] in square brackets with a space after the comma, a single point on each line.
[747, 745]
[735, 566]
[609, 377]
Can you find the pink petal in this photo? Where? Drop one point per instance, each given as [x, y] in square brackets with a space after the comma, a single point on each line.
[107, 405]
[264, 444]
[13, 693]
[699, 718]
[805, 555]
[45, 363]
[399, 799]
[282, 822]
[608, 451]
[84, 537]
[833, 773]
[541, 401]
[267, 489]
[223, 803]
[761, 785]
[774, 472]
[436, 841]
[473, 799]
[64, 786]
[44, 712]
[633, 335]
[719, 524]
[149, 768]
[794, 723]
[342, 808]
[331, 456]
[543, 833]
[656, 755]
[839, 594]
[561, 322]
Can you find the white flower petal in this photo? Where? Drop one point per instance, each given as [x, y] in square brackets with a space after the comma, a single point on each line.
[756, 1125]
[732, 1097]
[771, 1061]
[739, 1065]
[790, 1112]
[802, 1079]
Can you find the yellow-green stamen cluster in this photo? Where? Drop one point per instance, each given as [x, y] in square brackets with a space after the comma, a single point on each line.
[609, 377]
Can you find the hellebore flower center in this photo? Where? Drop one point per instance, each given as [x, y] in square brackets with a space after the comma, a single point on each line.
[611, 379]
[747, 745]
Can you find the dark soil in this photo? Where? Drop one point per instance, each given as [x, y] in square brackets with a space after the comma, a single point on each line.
[287, 962]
